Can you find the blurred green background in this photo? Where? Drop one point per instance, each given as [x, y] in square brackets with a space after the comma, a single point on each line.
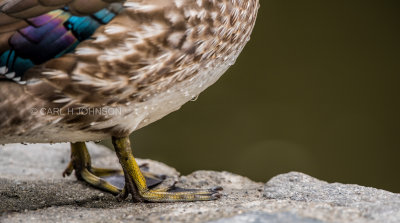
[316, 90]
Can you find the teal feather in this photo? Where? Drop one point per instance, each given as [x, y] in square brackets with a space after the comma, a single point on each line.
[50, 36]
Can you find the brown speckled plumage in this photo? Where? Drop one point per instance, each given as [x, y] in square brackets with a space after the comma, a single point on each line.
[147, 62]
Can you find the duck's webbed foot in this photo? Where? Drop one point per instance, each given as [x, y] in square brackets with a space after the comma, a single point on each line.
[135, 182]
[109, 180]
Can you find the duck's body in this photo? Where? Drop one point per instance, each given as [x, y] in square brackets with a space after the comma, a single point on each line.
[40, 123]
[153, 57]
[65, 78]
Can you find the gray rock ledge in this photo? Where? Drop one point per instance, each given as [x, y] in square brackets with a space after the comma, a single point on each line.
[33, 190]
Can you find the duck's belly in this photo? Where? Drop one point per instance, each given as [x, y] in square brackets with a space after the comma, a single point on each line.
[122, 120]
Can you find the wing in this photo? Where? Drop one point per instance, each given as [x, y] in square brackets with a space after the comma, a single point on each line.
[33, 32]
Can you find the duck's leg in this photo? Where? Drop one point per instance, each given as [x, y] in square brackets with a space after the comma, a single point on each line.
[135, 182]
[81, 163]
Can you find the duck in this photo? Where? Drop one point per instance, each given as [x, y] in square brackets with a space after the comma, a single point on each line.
[87, 70]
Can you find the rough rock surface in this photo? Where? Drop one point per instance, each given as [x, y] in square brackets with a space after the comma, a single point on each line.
[33, 190]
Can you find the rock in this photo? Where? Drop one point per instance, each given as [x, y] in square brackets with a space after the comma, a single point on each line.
[32, 189]
[370, 203]
[263, 217]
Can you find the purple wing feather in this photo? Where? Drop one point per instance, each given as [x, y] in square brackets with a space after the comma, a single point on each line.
[42, 43]
[47, 36]
[43, 19]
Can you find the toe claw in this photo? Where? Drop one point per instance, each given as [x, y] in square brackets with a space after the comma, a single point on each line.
[122, 196]
[218, 188]
[66, 173]
[144, 166]
[163, 176]
[216, 196]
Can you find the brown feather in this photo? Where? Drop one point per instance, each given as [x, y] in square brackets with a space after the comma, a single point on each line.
[31, 12]
[4, 46]
[13, 26]
[6, 19]
[152, 58]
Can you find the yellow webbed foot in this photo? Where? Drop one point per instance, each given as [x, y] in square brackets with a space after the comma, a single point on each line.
[135, 182]
[109, 180]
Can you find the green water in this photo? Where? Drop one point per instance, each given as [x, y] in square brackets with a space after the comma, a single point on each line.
[316, 90]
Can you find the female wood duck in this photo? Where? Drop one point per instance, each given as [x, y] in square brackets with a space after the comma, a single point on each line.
[84, 70]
